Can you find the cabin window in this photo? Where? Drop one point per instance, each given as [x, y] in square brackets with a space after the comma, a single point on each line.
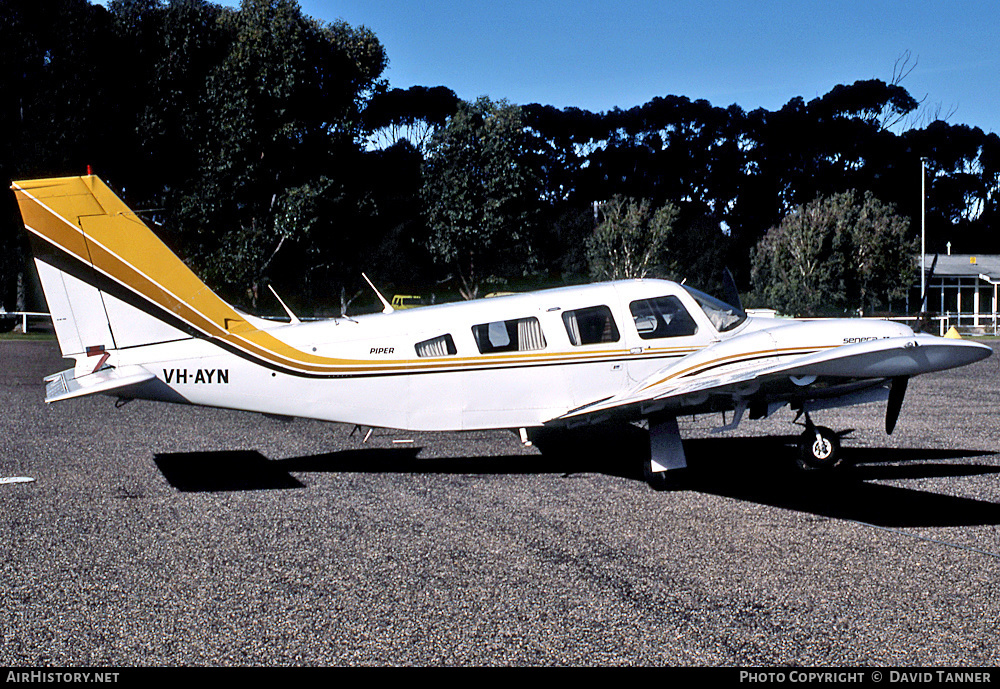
[517, 335]
[436, 346]
[592, 325]
[662, 317]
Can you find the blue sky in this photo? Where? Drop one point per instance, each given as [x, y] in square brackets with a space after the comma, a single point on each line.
[598, 54]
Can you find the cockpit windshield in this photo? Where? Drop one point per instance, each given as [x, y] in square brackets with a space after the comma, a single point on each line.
[724, 316]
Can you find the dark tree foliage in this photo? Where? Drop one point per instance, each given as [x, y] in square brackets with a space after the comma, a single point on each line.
[745, 171]
[175, 47]
[268, 146]
[480, 197]
[963, 183]
[59, 90]
[256, 116]
[873, 102]
[413, 114]
[59, 111]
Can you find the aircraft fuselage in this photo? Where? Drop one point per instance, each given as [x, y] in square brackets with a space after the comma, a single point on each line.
[386, 382]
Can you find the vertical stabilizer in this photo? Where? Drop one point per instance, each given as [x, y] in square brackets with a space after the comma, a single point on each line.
[83, 237]
[112, 284]
[77, 310]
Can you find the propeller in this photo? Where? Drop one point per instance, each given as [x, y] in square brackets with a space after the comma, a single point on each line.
[898, 389]
[896, 394]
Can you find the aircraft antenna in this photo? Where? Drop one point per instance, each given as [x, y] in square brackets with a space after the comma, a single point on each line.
[388, 307]
[291, 316]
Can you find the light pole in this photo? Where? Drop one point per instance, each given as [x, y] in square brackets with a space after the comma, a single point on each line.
[923, 234]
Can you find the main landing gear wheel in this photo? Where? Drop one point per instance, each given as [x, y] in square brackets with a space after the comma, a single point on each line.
[819, 448]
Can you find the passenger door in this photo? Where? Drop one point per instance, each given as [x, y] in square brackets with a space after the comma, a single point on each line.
[660, 330]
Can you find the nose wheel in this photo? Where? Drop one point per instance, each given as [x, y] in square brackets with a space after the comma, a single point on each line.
[819, 447]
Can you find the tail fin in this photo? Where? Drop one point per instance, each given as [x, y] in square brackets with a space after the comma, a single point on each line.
[110, 283]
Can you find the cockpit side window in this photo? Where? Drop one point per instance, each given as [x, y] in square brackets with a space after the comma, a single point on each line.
[517, 335]
[724, 316]
[592, 325]
[662, 317]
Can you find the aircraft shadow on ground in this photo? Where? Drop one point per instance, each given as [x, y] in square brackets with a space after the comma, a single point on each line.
[755, 469]
[759, 470]
[229, 470]
[240, 470]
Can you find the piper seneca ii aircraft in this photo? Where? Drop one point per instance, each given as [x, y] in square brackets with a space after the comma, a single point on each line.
[141, 325]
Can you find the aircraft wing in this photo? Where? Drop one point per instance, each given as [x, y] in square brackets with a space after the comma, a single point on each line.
[690, 383]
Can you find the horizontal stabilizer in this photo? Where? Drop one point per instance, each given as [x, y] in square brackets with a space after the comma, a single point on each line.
[63, 386]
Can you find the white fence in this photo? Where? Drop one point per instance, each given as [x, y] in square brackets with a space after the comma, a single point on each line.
[981, 323]
[976, 323]
[24, 317]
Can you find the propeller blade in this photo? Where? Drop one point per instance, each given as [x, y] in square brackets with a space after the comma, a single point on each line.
[927, 284]
[896, 394]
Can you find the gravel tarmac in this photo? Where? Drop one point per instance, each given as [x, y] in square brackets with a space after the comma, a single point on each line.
[165, 535]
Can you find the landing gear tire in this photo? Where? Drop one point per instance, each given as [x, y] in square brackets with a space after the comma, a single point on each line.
[819, 448]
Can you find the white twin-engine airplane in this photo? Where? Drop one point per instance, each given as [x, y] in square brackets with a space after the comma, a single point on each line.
[141, 325]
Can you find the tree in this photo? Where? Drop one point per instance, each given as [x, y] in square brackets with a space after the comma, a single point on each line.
[57, 108]
[963, 180]
[561, 142]
[834, 143]
[174, 48]
[631, 240]
[872, 101]
[413, 114]
[699, 252]
[480, 202]
[842, 252]
[280, 135]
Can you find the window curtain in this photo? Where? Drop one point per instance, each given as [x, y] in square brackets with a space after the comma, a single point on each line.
[529, 335]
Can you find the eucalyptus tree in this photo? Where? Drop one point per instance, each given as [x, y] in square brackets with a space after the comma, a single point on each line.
[845, 252]
[631, 240]
[57, 109]
[281, 135]
[962, 185]
[480, 199]
[413, 114]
